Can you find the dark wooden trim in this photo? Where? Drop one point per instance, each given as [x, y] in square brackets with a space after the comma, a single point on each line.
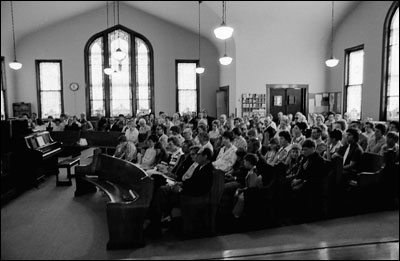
[39, 102]
[385, 60]
[4, 85]
[304, 95]
[346, 75]
[176, 83]
[106, 52]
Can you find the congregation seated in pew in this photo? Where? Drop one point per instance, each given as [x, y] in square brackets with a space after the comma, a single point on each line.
[288, 164]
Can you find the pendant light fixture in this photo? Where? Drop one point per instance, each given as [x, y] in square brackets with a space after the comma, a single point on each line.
[223, 31]
[225, 60]
[108, 70]
[15, 65]
[332, 61]
[199, 69]
[119, 54]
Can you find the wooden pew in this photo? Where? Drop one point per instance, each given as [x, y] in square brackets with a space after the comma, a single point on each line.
[69, 141]
[101, 139]
[334, 169]
[129, 191]
[199, 213]
[368, 172]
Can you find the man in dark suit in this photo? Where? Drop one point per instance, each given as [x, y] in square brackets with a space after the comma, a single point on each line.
[308, 185]
[196, 182]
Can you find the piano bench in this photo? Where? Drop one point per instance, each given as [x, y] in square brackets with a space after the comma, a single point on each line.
[67, 163]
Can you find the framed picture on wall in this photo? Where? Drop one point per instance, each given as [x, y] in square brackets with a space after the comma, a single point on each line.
[292, 99]
[278, 100]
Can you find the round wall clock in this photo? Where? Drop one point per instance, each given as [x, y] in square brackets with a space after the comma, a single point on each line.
[74, 86]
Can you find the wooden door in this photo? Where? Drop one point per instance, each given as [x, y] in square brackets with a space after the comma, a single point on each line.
[293, 100]
[277, 101]
[287, 98]
[223, 101]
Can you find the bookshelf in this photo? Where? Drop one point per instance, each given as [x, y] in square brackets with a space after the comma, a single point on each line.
[253, 103]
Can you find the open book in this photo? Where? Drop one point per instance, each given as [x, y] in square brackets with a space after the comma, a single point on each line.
[154, 171]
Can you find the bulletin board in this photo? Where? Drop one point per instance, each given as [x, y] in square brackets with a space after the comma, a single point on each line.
[324, 102]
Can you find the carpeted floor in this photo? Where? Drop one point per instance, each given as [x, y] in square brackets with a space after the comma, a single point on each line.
[49, 223]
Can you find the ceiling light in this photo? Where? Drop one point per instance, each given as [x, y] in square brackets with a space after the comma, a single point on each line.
[15, 65]
[225, 60]
[108, 70]
[332, 61]
[199, 69]
[118, 54]
[223, 31]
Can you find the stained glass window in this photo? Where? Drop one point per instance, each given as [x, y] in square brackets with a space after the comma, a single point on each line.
[128, 89]
[3, 92]
[392, 94]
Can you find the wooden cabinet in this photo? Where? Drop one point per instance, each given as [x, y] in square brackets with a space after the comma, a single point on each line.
[20, 107]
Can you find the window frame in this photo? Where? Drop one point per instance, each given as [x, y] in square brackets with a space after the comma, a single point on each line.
[38, 89]
[106, 79]
[385, 60]
[177, 61]
[346, 75]
[4, 86]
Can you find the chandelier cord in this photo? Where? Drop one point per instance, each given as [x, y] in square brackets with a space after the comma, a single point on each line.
[114, 11]
[223, 12]
[199, 29]
[12, 20]
[118, 10]
[225, 46]
[107, 14]
[332, 29]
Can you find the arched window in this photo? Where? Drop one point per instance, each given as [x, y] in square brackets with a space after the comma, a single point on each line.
[390, 71]
[129, 89]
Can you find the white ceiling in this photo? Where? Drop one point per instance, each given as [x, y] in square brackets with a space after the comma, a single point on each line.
[30, 16]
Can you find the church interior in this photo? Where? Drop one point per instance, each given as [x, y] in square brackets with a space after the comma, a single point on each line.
[199, 130]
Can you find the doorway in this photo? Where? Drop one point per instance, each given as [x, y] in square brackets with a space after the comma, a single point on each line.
[223, 101]
[287, 98]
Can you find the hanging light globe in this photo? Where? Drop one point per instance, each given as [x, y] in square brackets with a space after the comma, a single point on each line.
[119, 54]
[108, 71]
[15, 65]
[223, 32]
[199, 70]
[225, 60]
[332, 62]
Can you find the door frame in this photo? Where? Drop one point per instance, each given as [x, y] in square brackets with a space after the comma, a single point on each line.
[304, 95]
[224, 89]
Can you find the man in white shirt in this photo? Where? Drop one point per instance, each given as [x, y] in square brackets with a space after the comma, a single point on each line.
[204, 140]
[162, 137]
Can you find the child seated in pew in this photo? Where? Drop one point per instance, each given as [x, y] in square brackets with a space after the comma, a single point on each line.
[252, 180]
[272, 149]
[147, 158]
[125, 150]
[392, 144]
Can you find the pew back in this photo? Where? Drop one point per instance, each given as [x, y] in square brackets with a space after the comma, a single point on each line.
[101, 139]
[130, 191]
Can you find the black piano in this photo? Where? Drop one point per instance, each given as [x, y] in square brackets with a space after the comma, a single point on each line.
[43, 144]
[42, 154]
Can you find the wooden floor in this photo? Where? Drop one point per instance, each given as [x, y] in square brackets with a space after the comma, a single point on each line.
[375, 251]
[50, 223]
